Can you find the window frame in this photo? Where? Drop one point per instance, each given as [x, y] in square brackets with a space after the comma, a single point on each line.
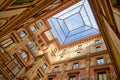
[44, 67]
[72, 76]
[80, 46]
[32, 28]
[97, 41]
[98, 48]
[99, 59]
[56, 69]
[75, 65]
[7, 42]
[40, 24]
[78, 53]
[24, 55]
[102, 73]
[23, 35]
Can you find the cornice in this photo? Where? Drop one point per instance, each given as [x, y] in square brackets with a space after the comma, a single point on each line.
[88, 55]
[75, 42]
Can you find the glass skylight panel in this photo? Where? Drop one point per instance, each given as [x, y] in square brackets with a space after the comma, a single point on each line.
[70, 13]
[81, 35]
[69, 9]
[63, 26]
[73, 23]
[53, 29]
[58, 29]
[89, 12]
[85, 16]
[76, 31]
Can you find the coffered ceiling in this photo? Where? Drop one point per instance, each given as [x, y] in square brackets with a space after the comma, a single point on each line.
[13, 13]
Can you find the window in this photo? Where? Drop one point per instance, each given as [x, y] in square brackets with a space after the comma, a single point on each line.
[15, 66]
[50, 78]
[72, 78]
[40, 24]
[22, 34]
[100, 61]
[7, 42]
[29, 43]
[98, 48]
[55, 50]
[82, 78]
[56, 69]
[33, 47]
[79, 46]
[24, 55]
[16, 71]
[78, 15]
[97, 41]
[102, 76]
[78, 53]
[32, 28]
[64, 51]
[44, 67]
[75, 66]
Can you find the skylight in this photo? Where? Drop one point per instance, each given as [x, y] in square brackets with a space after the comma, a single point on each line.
[73, 23]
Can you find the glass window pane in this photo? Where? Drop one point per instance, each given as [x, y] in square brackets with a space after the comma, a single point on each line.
[32, 28]
[104, 76]
[100, 77]
[40, 24]
[98, 48]
[22, 34]
[100, 61]
[75, 66]
[44, 66]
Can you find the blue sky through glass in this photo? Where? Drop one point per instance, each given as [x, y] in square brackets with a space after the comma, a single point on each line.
[73, 23]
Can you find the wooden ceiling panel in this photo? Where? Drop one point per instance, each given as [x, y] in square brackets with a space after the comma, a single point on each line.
[4, 4]
[5, 14]
[24, 16]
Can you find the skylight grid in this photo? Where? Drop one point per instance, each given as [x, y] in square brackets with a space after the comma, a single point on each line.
[63, 26]
[84, 34]
[56, 32]
[58, 29]
[85, 17]
[76, 31]
[91, 16]
[73, 23]
[69, 9]
[68, 14]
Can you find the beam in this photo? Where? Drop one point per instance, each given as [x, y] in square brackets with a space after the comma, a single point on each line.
[5, 4]
[24, 16]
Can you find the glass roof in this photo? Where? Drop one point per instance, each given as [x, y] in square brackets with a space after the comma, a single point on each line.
[73, 23]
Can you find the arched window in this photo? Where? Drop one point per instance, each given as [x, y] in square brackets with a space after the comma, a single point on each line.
[23, 55]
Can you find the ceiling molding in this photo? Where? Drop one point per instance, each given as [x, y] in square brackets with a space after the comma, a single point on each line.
[5, 4]
[24, 16]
